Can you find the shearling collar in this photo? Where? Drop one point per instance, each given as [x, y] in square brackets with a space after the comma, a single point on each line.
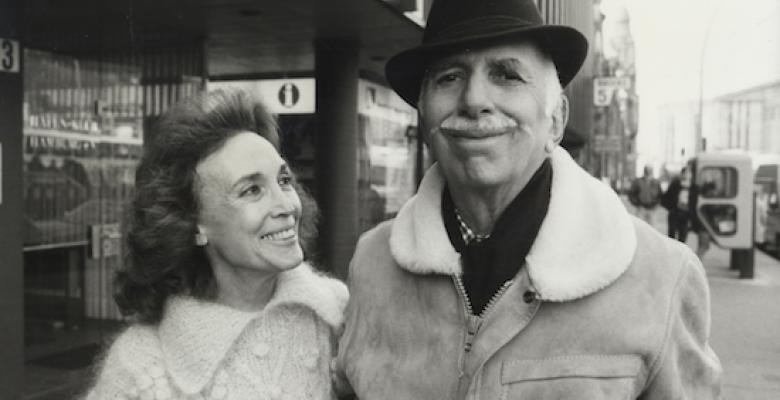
[585, 242]
[196, 335]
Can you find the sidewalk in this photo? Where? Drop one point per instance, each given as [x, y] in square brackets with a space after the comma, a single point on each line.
[745, 321]
[746, 326]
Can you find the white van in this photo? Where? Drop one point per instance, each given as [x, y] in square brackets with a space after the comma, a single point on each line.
[767, 230]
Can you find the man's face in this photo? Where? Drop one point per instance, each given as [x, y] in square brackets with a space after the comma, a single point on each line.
[487, 114]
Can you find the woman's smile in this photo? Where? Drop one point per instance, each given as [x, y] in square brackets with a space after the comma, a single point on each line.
[282, 235]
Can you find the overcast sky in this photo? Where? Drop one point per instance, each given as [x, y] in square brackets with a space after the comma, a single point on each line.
[741, 50]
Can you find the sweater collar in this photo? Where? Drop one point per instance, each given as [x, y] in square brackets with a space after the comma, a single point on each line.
[196, 335]
[585, 242]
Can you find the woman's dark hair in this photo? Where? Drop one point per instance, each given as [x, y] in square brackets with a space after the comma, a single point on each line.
[163, 259]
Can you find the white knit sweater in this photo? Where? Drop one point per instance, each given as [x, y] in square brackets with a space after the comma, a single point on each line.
[204, 350]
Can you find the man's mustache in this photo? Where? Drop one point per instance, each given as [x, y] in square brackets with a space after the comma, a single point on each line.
[490, 124]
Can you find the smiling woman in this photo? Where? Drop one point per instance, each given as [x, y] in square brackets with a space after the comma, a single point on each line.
[223, 301]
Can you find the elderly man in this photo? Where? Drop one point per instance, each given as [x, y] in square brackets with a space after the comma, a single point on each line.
[512, 273]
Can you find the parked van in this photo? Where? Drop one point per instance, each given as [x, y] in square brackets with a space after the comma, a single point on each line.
[767, 230]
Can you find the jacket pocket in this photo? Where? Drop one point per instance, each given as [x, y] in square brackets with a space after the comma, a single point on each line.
[572, 377]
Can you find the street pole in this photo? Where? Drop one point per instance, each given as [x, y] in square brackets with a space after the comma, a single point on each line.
[699, 139]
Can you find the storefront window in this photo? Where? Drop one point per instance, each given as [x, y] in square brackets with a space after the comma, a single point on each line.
[84, 120]
[388, 153]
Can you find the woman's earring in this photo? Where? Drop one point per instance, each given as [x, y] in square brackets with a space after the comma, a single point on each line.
[549, 146]
[201, 239]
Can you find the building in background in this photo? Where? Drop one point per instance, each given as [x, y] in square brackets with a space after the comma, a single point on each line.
[677, 124]
[577, 13]
[749, 120]
[82, 84]
[612, 149]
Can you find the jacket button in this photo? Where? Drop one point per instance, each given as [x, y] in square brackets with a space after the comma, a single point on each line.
[529, 296]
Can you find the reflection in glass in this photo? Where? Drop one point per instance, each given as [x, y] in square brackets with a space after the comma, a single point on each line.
[718, 182]
[84, 118]
[387, 154]
[722, 218]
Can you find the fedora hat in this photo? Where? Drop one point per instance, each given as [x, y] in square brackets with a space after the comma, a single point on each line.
[461, 24]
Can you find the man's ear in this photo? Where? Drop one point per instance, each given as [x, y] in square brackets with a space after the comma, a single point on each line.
[560, 117]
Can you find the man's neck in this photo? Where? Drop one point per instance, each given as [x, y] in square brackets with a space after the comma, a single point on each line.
[480, 207]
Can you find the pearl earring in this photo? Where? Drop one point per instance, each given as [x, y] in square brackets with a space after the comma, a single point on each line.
[549, 146]
[201, 239]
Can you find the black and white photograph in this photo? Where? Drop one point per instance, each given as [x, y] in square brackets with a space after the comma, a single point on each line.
[390, 199]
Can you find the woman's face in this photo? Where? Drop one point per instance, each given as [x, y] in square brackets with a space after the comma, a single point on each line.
[249, 209]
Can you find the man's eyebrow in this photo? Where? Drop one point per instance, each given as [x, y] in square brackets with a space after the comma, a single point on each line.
[509, 63]
[447, 63]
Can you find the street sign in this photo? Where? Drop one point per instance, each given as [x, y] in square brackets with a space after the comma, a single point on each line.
[607, 144]
[9, 55]
[289, 95]
[281, 96]
[604, 88]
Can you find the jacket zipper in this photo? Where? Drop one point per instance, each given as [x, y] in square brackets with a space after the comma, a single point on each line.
[473, 321]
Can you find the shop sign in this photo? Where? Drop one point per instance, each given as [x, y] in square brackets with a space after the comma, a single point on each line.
[56, 121]
[281, 96]
[74, 144]
[9, 55]
[604, 88]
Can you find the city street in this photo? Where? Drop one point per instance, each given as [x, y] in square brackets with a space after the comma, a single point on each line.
[745, 322]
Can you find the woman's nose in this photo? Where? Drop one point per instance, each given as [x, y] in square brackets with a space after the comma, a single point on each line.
[285, 202]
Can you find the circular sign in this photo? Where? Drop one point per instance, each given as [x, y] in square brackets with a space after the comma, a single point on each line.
[289, 95]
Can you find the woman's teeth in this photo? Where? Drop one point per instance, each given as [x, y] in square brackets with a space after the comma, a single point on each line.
[285, 234]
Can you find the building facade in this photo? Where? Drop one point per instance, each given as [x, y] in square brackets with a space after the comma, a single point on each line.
[678, 122]
[749, 120]
[612, 149]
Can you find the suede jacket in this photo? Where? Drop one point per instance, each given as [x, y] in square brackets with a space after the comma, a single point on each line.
[604, 307]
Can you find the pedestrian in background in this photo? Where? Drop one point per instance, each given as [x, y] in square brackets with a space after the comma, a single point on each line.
[676, 201]
[703, 186]
[513, 273]
[223, 305]
[645, 194]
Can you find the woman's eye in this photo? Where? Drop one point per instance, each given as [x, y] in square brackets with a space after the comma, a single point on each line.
[286, 181]
[252, 190]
